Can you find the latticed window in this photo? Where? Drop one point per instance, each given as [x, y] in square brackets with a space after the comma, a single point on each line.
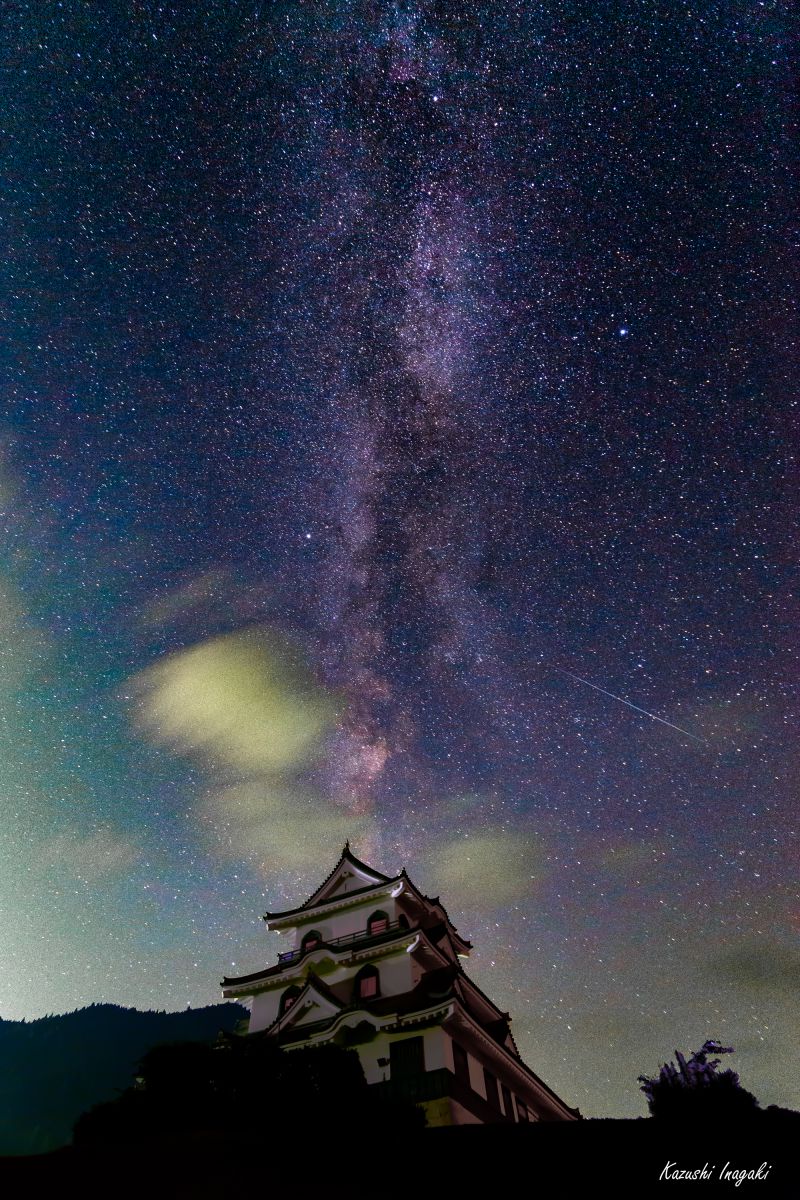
[367, 983]
[288, 998]
[407, 1057]
[378, 923]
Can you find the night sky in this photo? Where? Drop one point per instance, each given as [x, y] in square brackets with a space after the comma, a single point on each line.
[396, 433]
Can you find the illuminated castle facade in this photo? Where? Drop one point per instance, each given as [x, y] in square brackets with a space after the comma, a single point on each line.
[376, 965]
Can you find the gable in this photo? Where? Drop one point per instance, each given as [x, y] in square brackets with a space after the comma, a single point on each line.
[347, 880]
[349, 875]
[315, 1003]
[311, 1010]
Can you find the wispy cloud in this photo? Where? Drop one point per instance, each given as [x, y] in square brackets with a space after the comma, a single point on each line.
[764, 966]
[243, 701]
[98, 855]
[276, 828]
[489, 868]
[246, 706]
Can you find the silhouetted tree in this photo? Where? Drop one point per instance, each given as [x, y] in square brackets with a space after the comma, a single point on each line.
[696, 1090]
[244, 1087]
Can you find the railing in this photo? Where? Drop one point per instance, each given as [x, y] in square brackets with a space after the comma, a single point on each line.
[347, 939]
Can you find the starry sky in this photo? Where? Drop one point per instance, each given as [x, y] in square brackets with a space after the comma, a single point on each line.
[396, 443]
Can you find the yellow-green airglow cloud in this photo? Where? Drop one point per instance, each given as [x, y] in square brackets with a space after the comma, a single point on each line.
[488, 869]
[276, 828]
[247, 705]
[243, 701]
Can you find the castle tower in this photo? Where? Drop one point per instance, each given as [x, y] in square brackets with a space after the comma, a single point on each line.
[376, 965]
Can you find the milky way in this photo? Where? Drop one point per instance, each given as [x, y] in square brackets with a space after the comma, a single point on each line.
[378, 375]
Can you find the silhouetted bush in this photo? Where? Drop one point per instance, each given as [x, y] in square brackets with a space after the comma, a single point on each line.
[244, 1088]
[696, 1091]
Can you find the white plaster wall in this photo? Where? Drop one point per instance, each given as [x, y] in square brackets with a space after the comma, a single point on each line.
[462, 1116]
[344, 922]
[369, 1055]
[434, 1040]
[436, 1046]
[264, 1010]
[476, 1075]
[370, 1052]
[395, 972]
[395, 979]
[448, 1052]
[476, 1079]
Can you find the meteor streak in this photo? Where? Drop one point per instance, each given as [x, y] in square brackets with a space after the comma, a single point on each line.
[635, 707]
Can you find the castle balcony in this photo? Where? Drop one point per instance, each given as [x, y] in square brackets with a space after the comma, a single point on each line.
[362, 937]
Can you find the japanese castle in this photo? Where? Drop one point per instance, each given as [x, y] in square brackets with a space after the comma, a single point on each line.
[376, 965]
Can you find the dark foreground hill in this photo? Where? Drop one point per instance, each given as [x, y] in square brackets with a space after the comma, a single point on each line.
[55, 1068]
[636, 1159]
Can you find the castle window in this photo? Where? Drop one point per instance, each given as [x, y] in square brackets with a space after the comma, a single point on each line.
[311, 939]
[508, 1103]
[522, 1111]
[367, 983]
[378, 923]
[407, 1058]
[287, 999]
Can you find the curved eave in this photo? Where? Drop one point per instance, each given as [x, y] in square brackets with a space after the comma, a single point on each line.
[314, 907]
[313, 902]
[282, 972]
[346, 900]
[539, 1087]
[289, 1018]
[428, 902]
[326, 1029]
[470, 984]
[436, 902]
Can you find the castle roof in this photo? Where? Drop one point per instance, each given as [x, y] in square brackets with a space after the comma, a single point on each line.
[335, 886]
[357, 919]
[337, 890]
[437, 988]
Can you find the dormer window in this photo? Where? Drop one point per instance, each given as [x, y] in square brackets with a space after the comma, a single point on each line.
[367, 983]
[288, 998]
[311, 940]
[378, 923]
